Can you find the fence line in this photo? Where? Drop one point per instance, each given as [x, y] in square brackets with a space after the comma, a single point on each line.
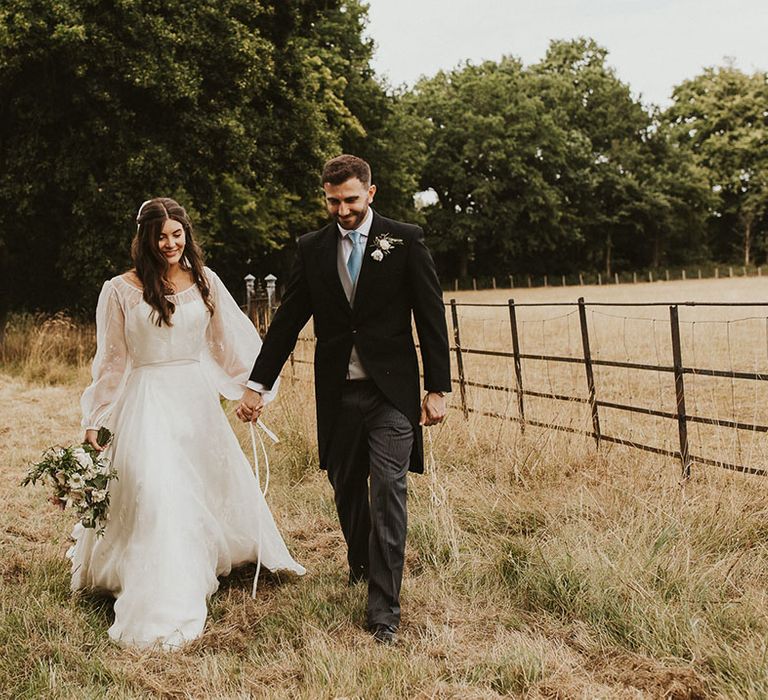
[261, 305]
[580, 279]
[677, 368]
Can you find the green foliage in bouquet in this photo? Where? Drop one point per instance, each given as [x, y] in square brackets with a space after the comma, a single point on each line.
[79, 476]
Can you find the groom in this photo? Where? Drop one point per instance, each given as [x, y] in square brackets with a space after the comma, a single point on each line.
[362, 277]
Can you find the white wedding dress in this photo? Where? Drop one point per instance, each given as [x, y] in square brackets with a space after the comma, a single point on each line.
[186, 507]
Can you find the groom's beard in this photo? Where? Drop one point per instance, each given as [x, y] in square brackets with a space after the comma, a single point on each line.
[351, 223]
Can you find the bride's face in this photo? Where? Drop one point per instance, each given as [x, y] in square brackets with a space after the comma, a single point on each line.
[172, 241]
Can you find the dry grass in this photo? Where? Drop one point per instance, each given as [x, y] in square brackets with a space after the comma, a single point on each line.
[534, 569]
[47, 349]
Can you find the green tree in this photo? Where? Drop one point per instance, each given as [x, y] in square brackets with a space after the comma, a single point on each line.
[494, 157]
[383, 131]
[720, 116]
[228, 105]
[607, 189]
[553, 168]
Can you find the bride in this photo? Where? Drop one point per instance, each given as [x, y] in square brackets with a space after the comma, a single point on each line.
[186, 507]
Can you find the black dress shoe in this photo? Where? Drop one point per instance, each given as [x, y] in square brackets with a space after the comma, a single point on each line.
[384, 634]
[358, 575]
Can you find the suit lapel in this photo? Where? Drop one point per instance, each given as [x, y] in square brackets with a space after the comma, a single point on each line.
[363, 280]
[328, 265]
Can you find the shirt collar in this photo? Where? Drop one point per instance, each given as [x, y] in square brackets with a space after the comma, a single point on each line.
[364, 228]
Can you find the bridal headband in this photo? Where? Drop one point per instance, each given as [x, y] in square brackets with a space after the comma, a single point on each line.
[141, 208]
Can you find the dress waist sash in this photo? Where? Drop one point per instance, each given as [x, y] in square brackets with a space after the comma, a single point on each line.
[168, 363]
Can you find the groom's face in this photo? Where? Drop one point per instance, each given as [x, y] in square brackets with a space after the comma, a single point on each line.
[348, 202]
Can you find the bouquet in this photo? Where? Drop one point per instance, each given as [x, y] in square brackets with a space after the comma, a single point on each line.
[80, 476]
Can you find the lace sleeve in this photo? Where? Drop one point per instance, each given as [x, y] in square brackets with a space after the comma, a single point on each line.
[233, 343]
[110, 362]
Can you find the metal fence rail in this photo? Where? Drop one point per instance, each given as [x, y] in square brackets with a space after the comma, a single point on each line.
[261, 306]
[682, 417]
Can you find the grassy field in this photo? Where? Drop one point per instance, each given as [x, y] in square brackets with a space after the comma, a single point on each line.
[535, 567]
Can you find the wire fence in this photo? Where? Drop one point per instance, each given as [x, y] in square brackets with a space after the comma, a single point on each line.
[584, 369]
[581, 279]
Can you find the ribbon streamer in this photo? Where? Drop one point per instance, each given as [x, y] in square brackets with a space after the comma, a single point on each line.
[256, 466]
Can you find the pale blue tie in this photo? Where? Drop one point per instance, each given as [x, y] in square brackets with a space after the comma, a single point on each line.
[356, 256]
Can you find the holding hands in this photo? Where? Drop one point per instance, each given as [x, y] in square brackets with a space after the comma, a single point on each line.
[250, 407]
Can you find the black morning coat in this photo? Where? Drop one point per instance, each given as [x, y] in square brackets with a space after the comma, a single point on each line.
[389, 291]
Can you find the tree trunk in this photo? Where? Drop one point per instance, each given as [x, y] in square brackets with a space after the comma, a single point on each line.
[656, 258]
[747, 239]
[463, 264]
[608, 253]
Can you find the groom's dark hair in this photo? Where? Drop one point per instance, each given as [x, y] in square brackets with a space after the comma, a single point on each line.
[345, 167]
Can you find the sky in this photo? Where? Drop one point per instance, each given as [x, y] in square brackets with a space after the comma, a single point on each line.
[653, 45]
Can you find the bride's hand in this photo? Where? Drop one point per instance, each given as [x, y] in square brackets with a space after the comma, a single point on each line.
[250, 407]
[91, 438]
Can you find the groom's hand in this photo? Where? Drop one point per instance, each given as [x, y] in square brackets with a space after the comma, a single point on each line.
[432, 409]
[250, 407]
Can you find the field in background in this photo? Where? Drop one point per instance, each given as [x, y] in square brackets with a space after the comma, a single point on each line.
[535, 567]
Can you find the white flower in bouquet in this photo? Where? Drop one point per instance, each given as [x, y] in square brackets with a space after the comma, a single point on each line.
[377, 255]
[76, 482]
[82, 457]
[98, 495]
[80, 477]
[385, 244]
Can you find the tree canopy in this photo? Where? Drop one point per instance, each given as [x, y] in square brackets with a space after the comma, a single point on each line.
[721, 118]
[553, 168]
[231, 106]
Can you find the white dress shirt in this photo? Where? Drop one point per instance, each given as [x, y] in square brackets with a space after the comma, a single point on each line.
[364, 229]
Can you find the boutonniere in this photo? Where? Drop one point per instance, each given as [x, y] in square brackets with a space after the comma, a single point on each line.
[383, 245]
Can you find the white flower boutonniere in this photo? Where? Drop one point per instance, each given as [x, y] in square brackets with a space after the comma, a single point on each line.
[383, 245]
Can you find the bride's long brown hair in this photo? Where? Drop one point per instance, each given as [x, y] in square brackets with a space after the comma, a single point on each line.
[152, 267]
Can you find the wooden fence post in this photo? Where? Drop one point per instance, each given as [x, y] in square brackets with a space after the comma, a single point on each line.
[459, 359]
[588, 368]
[518, 365]
[677, 360]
